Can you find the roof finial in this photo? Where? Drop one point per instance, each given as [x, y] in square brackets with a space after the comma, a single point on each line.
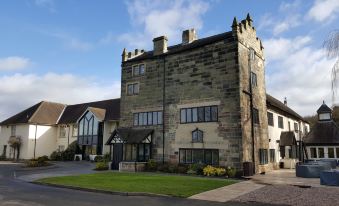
[235, 22]
[323, 101]
[249, 19]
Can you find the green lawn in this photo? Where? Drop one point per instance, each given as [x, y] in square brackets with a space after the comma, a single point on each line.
[180, 186]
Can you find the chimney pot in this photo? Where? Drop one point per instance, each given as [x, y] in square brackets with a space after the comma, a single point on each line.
[160, 45]
[189, 36]
[285, 101]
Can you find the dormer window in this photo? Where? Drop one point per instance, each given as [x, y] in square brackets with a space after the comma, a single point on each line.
[197, 135]
[324, 113]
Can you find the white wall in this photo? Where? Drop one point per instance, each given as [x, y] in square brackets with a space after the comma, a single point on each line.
[22, 130]
[70, 136]
[45, 140]
[274, 132]
[109, 127]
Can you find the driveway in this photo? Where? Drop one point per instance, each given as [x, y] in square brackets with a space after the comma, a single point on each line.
[15, 191]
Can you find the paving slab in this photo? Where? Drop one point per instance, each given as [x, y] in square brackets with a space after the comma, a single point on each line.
[229, 192]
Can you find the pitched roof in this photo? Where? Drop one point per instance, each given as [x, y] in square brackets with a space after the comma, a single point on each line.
[273, 103]
[130, 135]
[183, 47]
[324, 109]
[98, 113]
[323, 133]
[287, 139]
[73, 112]
[41, 113]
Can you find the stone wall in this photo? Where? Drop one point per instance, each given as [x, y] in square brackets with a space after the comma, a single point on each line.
[213, 74]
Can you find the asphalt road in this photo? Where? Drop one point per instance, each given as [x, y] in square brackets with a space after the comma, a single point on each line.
[14, 191]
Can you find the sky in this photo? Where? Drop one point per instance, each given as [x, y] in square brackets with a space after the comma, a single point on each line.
[69, 51]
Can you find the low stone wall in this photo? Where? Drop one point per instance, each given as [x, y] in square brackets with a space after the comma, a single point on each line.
[132, 166]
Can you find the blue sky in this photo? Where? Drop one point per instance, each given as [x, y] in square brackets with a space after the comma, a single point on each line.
[69, 51]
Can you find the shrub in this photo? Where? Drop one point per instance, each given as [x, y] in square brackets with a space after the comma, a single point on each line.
[220, 171]
[101, 166]
[191, 172]
[209, 171]
[151, 165]
[39, 162]
[107, 157]
[198, 168]
[162, 167]
[99, 159]
[3, 157]
[56, 156]
[173, 168]
[43, 158]
[230, 171]
[182, 169]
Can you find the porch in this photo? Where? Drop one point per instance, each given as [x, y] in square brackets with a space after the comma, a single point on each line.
[130, 148]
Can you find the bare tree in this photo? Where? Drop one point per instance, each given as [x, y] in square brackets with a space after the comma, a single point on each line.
[331, 45]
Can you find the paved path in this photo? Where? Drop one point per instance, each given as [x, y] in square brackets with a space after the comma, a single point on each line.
[286, 177]
[228, 193]
[15, 191]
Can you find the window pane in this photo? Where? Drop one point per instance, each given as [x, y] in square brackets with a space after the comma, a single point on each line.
[155, 118]
[95, 127]
[215, 157]
[200, 136]
[194, 114]
[81, 127]
[281, 122]
[183, 115]
[149, 121]
[130, 89]
[195, 136]
[330, 152]
[136, 119]
[141, 152]
[189, 115]
[135, 88]
[337, 151]
[207, 114]
[214, 111]
[90, 126]
[188, 156]
[201, 114]
[144, 118]
[313, 152]
[182, 156]
[141, 119]
[198, 156]
[142, 68]
[159, 117]
[321, 153]
[296, 128]
[270, 118]
[147, 152]
[208, 157]
[136, 70]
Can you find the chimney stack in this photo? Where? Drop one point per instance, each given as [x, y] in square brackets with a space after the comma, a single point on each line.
[160, 45]
[189, 36]
[285, 101]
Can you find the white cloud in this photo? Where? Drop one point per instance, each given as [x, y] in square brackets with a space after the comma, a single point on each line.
[156, 18]
[49, 4]
[19, 91]
[324, 10]
[298, 71]
[14, 63]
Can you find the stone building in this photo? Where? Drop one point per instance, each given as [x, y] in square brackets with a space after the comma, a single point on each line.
[204, 100]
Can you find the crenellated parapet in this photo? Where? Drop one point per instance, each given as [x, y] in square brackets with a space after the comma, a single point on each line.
[130, 55]
[246, 34]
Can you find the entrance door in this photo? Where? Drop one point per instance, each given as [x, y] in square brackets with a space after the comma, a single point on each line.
[117, 155]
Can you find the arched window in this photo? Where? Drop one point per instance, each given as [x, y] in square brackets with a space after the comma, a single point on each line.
[197, 135]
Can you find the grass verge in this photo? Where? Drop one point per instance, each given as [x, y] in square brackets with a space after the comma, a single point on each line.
[173, 185]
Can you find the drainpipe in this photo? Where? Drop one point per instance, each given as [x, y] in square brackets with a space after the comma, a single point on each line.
[251, 106]
[163, 109]
[69, 129]
[36, 129]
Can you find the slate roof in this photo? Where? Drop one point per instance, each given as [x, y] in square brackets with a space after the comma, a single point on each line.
[184, 47]
[323, 133]
[130, 135]
[73, 112]
[324, 109]
[273, 103]
[287, 139]
[42, 113]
